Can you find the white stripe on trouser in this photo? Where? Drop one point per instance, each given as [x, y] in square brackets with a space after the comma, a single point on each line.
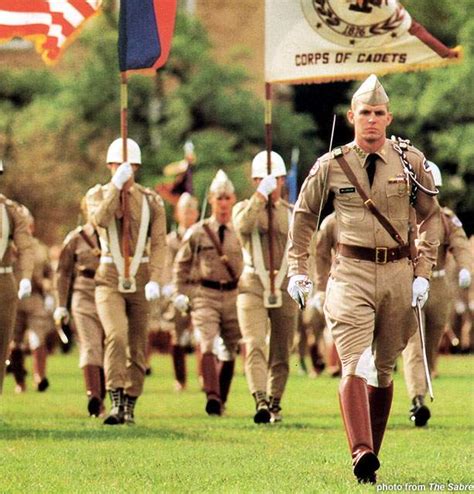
[366, 368]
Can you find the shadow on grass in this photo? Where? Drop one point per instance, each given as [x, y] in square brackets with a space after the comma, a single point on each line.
[116, 433]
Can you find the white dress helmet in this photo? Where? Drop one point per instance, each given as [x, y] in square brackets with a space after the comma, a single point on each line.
[115, 153]
[436, 172]
[260, 169]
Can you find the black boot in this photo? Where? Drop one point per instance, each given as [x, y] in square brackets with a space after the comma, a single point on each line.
[419, 413]
[130, 402]
[262, 415]
[275, 409]
[116, 415]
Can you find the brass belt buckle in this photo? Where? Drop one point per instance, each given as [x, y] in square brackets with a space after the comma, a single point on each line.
[378, 253]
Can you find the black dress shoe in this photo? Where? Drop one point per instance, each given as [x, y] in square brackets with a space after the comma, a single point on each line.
[213, 407]
[419, 413]
[43, 385]
[93, 406]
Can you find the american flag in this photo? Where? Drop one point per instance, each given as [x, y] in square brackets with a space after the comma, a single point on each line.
[50, 24]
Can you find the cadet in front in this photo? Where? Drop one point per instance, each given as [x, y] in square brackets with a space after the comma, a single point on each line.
[376, 279]
[122, 298]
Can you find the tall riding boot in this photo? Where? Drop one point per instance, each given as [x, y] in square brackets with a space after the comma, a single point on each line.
[93, 389]
[179, 364]
[117, 412]
[354, 402]
[40, 355]
[380, 400]
[17, 365]
[225, 378]
[211, 384]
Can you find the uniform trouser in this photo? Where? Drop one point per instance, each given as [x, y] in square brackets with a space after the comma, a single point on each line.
[214, 314]
[7, 318]
[267, 374]
[89, 328]
[435, 312]
[368, 310]
[124, 317]
[32, 316]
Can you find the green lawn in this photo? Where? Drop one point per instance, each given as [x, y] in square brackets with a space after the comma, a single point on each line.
[48, 444]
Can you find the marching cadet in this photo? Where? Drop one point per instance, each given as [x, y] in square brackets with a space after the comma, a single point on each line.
[78, 263]
[186, 213]
[373, 284]
[453, 239]
[212, 250]
[15, 242]
[122, 302]
[34, 317]
[258, 312]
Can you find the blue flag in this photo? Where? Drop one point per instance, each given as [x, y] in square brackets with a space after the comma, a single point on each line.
[139, 44]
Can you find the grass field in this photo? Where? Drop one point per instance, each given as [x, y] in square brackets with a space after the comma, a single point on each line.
[48, 444]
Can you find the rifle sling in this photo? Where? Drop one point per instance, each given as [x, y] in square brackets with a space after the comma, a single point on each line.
[368, 203]
[218, 247]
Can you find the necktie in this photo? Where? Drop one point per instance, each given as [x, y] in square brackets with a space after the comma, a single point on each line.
[221, 233]
[370, 167]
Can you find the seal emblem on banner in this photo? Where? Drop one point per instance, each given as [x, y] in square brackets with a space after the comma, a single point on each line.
[357, 23]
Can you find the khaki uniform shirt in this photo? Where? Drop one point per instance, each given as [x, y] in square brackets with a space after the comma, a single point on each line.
[356, 224]
[104, 204]
[20, 242]
[252, 213]
[453, 239]
[77, 259]
[198, 257]
[42, 278]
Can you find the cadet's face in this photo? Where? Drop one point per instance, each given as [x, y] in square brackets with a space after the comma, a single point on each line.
[370, 122]
[221, 206]
[187, 216]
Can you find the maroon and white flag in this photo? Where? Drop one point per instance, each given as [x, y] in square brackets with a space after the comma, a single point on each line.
[311, 41]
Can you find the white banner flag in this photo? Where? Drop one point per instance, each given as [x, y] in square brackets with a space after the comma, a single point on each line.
[314, 41]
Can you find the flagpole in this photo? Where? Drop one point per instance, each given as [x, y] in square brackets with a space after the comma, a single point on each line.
[268, 144]
[125, 203]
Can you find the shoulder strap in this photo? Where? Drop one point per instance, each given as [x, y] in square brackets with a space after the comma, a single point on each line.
[368, 203]
[222, 256]
[89, 242]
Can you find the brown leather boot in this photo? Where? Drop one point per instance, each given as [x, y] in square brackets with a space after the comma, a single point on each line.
[211, 384]
[92, 380]
[226, 374]
[179, 365]
[380, 400]
[354, 402]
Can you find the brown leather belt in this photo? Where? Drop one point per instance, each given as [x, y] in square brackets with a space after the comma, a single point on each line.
[87, 273]
[217, 285]
[379, 255]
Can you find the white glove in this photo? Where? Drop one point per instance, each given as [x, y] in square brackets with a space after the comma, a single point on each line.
[123, 173]
[317, 301]
[49, 304]
[152, 291]
[167, 290]
[420, 289]
[267, 185]
[61, 314]
[24, 289]
[464, 278]
[299, 288]
[181, 303]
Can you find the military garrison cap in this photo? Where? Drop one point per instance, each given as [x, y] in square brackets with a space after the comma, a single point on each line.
[371, 92]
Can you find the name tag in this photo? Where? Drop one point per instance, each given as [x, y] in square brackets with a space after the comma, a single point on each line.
[347, 190]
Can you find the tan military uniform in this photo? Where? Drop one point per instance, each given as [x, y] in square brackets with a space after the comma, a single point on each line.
[15, 241]
[31, 313]
[264, 373]
[124, 316]
[368, 304]
[452, 239]
[78, 263]
[213, 309]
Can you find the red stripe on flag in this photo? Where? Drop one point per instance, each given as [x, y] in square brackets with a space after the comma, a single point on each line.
[83, 7]
[25, 6]
[165, 11]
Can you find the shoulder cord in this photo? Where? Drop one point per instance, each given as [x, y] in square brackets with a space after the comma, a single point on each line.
[401, 145]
